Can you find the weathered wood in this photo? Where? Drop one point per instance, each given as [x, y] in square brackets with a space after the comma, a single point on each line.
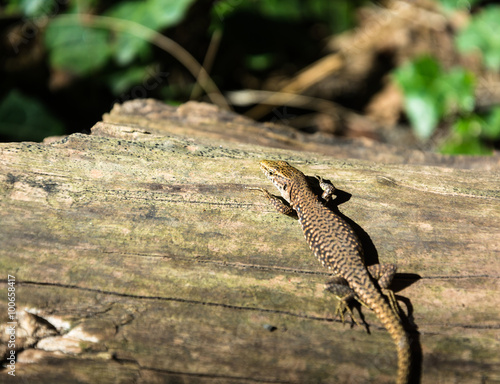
[145, 258]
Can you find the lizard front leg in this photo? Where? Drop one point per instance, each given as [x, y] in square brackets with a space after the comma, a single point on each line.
[327, 187]
[278, 203]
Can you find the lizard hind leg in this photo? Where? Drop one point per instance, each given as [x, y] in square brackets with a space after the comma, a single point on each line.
[338, 286]
[384, 273]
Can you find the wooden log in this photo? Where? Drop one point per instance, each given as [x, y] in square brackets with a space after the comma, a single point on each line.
[139, 255]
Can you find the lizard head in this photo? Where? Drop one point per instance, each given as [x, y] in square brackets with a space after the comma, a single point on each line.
[283, 176]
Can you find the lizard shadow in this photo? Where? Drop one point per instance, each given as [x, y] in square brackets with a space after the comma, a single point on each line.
[400, 281]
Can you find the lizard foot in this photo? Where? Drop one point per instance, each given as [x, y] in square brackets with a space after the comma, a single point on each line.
[392, 300]
[343, 307]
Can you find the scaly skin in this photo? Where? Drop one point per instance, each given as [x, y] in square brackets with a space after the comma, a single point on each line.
[337, 247]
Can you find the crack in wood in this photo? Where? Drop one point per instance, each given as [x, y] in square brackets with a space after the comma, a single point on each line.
[200, 375]
[176, 299]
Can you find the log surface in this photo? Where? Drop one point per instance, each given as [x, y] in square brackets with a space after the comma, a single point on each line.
[140, 256]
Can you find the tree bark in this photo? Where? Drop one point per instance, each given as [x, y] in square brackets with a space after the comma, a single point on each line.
[140, 255]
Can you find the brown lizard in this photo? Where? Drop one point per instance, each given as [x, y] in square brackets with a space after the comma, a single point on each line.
[337, 247]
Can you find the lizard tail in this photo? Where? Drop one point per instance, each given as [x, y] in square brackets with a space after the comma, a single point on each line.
[392, 323]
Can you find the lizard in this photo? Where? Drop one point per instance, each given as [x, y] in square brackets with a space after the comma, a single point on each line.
[336, 245]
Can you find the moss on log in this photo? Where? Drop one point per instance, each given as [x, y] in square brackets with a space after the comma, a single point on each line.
[140, 256]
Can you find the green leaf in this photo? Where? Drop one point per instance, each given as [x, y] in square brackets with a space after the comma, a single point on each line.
[422, 113]
[461, 146]
[482, 35]
[154, 14]
[260, 62]
[457, 4]
[469, 126]
[423, 97]
[33, 8]
[458, 90]
[418, 74]
[221, 10]
[23, 118]
[465, 137]
[76, 48]
[128, 47]
[337, 15]
[121, 81]
[491, 129]
[431, 94]
[168, 13]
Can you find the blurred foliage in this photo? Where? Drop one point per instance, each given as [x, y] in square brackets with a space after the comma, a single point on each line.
[26, 119]
[69, 45]
[30, 8]
[103, 64]
[122, 62]
[337, 15]
[155, 14]
[452, 5]
[432, 95]
[470, 132]
[482, 36]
